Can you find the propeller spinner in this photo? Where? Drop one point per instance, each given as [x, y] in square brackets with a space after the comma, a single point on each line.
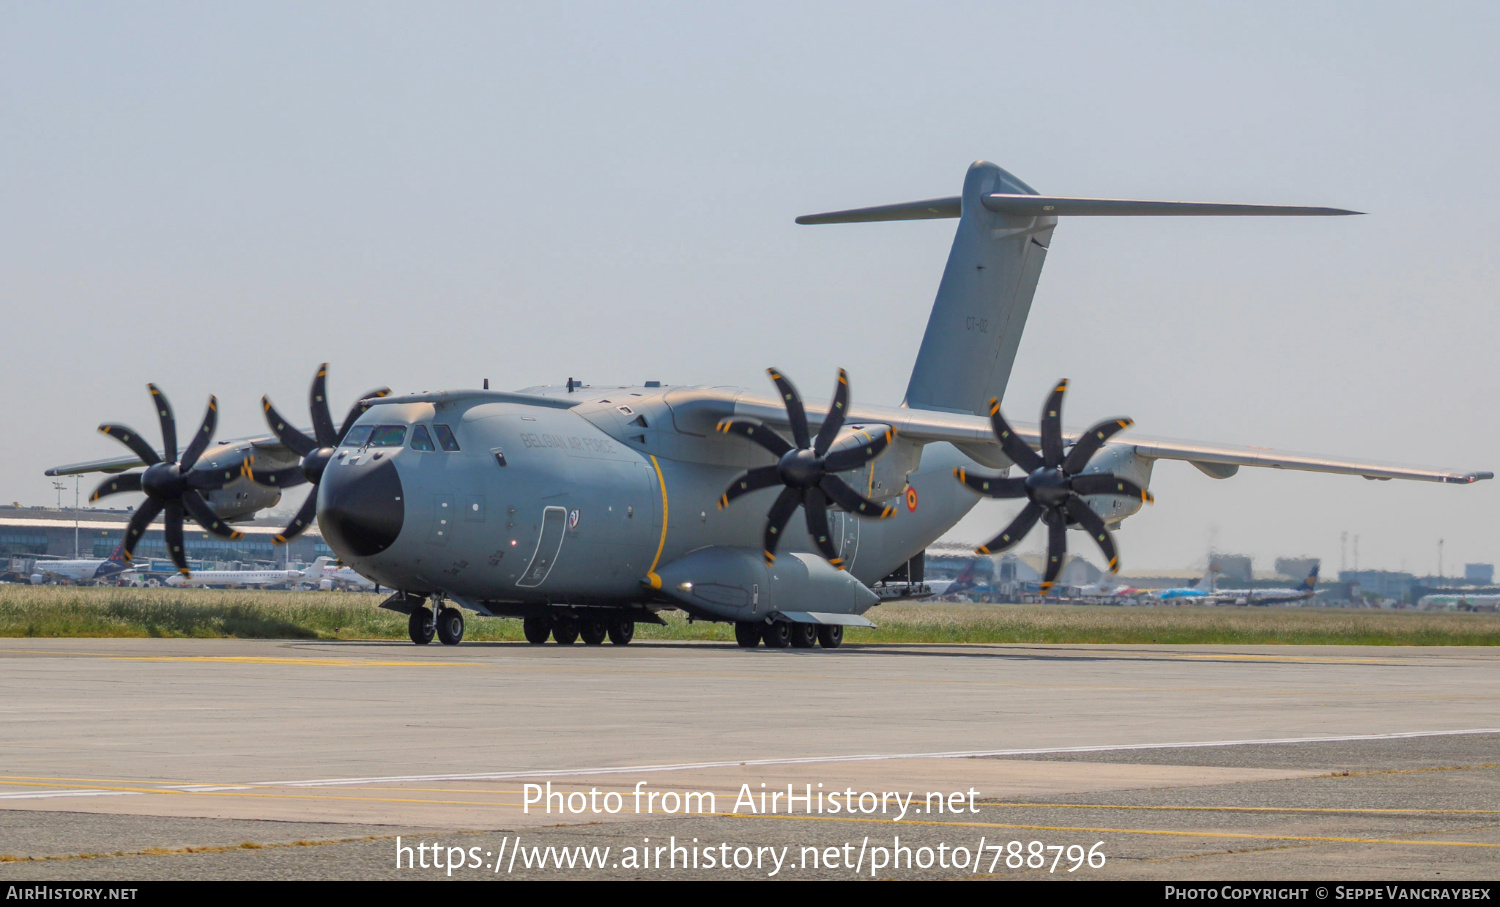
[315, 451]
[170, 483]
[806, 470]
[1053, 484]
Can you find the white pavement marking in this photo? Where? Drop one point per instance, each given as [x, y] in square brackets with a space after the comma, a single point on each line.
[871, 757]
[50, 794]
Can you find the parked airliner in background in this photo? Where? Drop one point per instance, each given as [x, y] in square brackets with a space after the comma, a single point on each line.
[1304, 590]
[83, 570]
[1198, 589]
[267, 577]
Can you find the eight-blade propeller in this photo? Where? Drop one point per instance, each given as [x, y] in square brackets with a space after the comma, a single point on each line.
[315, 452]
[807, 470]
[169, 483]
[1053, 484]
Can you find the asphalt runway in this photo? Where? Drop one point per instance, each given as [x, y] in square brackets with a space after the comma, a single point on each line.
[152, 759]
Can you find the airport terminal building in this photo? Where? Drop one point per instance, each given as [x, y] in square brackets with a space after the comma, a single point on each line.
[30, 532]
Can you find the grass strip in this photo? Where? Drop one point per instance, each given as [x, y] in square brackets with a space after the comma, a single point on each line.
[74, 611]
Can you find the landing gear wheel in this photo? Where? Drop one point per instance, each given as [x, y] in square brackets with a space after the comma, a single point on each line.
[420, 626]
[450, 626]
[565, 631]
[777, 634]
[804, 636]
[536, 629]
[747, 634]
[621, 631]
[831, 637]
[593, 630]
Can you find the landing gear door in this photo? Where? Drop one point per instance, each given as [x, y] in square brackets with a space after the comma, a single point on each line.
[548, 546]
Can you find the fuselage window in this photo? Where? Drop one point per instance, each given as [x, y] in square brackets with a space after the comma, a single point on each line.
[420, 439]
[445, 437]
[358, 436]
[388, 436]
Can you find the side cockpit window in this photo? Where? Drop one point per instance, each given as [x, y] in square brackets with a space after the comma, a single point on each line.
[358, 436]
[445, 437]
[388, 436]
[420, 439]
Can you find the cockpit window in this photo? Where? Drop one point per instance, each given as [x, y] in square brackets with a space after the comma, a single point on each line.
[445, 437]
[420, 439]
[388, 436]
[357, 436]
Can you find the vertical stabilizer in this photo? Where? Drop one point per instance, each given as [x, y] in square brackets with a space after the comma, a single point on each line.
[983, 300]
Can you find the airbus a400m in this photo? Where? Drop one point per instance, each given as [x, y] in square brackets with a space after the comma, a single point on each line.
[584, 510]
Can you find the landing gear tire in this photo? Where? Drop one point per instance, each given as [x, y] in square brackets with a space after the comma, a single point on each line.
[804, 636]
[420, 626]
[594, 631]
[621, 631]
[450, 626]
[747, 634]
[536, 629]
[565, 631]
[777, 634]
[831, 637]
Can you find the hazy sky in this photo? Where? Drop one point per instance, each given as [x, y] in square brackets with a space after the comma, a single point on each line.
[217, 197]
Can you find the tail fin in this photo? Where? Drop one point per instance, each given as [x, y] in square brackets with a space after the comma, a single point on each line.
[116, 563]
[1004, 230]
[1311, 582]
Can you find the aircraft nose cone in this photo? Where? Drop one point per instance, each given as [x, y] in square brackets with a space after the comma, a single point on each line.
[360, 507]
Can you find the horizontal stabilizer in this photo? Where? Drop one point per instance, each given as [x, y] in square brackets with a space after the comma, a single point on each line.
[1057, 206]
[931, 209]
[1061, 206]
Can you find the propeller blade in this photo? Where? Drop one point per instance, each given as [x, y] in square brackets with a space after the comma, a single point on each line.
[214, 479]
[1052, 439]
[776, 519]
[1014, 532]
[205, 434]
[1106, 483]
[1019, 451]
[854, 502]
[1090, 442]
[204, 515]
[176, 547]
[117, 485]
[836, 413]
[168, 423]
[754, 480]
[128, 436]
[280, 478]
[1093, 524]
[991, 486]
[815, 508]
[304, 518]
[1057, 548]
[317, 401]
[359, 408]
[854, 457]
[758, 433]
[795, 413]
[139, 524]
[291, 438]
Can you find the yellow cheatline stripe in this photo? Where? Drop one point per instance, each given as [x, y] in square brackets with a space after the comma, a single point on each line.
[1133, 831]
[662, 543]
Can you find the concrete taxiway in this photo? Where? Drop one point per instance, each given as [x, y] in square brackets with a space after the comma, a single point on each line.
[168, 755]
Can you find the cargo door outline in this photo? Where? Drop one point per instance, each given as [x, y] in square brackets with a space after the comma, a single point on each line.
[548, 546]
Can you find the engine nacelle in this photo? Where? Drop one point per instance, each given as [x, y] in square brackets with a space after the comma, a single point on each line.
[1123, 461]
[38, 580]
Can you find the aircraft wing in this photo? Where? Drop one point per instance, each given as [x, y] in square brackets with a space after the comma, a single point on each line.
[1217, 460]
[267, 443]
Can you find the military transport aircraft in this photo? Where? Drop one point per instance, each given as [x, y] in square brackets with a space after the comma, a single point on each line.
[586, 509]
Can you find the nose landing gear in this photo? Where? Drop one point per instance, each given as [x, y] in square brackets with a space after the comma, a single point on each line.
[421, 626]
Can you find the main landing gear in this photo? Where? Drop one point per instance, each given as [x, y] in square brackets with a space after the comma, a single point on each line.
[568, 630]
[781, 634]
